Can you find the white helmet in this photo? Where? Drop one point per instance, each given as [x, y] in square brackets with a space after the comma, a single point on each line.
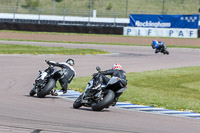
[70, 62]
[117, 67]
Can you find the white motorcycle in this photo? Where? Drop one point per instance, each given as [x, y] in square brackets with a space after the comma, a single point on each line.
[46, 81]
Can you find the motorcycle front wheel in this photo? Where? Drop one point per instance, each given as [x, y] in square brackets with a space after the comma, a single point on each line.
[107, 99]
[166, 52]
[32, 92]
[77, 103]
[46, 90]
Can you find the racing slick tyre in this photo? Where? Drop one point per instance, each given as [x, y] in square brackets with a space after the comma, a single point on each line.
[107, 100]
[32, 92]
[46, 90]
[77, 103]
[166, 52]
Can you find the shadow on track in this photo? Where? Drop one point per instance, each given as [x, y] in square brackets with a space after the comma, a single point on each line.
[89, 109]
[47, 97]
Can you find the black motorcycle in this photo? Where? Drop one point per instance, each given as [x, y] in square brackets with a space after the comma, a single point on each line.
[46, 81]
[98, 95]
[163, 49]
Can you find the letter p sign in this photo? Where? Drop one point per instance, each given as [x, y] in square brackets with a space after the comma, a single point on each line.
[128, 30]
[171, 32]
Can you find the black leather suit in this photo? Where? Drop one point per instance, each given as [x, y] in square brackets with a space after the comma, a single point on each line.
[113, 72]
[67, 71]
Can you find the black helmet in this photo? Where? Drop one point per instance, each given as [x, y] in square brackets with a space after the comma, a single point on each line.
[70, 62]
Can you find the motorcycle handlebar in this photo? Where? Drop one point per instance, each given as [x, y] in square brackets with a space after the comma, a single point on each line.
[46, 61]
[50, 65]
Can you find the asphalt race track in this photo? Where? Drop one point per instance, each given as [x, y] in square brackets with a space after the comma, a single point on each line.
[20, 113]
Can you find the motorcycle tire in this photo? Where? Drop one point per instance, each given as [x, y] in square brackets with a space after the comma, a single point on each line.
[77, 103]
[166, 52]
[32, 92]
[107, 100]
[46, 90]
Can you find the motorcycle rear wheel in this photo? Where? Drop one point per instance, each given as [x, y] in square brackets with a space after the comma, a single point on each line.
[46, 90]
[107, 100]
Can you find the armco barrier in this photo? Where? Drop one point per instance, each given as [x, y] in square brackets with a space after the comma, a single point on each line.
[62, 28]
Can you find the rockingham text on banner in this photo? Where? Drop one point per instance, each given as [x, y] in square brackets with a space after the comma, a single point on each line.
[164, 21]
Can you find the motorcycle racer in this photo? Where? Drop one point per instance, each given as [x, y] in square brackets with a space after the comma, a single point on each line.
[67, 72]
[99, 95]
[157, 45]
[116, 71]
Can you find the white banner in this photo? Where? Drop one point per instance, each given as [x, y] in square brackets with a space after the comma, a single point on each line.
[161, 32]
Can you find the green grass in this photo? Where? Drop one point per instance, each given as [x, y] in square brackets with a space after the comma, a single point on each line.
[29, 49]
[59, 33]
[98, 43]
[177, 89]
[105, 8]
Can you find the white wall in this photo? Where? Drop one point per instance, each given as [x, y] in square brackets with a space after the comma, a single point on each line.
[161, 32]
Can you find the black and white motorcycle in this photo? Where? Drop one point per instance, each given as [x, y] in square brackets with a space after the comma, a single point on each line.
[164, 50]
[98, 95]
[46, 81]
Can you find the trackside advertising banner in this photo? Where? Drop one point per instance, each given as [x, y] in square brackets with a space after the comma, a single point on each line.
[164, 21]
[161, 32]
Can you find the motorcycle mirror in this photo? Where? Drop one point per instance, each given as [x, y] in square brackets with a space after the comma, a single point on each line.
[98, 68]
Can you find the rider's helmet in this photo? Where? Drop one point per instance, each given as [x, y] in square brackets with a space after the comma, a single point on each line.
[70, 62]
[154, 42]
[117, 67]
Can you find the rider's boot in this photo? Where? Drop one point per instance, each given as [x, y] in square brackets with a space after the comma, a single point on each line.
[156, 51]
[58, 92]
[117, 95]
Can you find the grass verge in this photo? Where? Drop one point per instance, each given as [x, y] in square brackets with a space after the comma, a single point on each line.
[96, 43]
[60, 33]
[177, 89]
[29, 49]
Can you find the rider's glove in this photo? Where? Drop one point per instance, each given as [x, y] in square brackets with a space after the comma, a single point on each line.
[47, 61]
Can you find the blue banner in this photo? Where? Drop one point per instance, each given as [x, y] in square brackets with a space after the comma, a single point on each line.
[164, 21]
